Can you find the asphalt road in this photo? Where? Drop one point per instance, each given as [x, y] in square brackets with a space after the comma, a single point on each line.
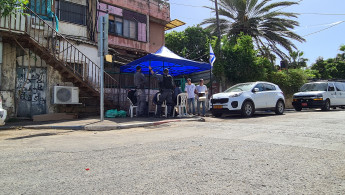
[296, 153]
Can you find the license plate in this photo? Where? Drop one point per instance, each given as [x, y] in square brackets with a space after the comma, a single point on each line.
[304, 104]
[217, 106]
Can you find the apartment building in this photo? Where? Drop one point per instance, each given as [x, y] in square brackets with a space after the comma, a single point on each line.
[55, 44]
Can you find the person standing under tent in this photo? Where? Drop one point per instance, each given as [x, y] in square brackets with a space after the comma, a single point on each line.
[166, 87]
[139, 82]
[190, 89]
[202, 91]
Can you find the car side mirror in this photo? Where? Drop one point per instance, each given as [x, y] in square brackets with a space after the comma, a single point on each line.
[256, 90]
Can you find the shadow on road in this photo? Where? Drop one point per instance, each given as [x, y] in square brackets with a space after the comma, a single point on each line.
[31, 136]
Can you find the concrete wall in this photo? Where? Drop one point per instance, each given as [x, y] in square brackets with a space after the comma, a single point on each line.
[153, 8]
[156, 37]
[72, 29]
[13, 57]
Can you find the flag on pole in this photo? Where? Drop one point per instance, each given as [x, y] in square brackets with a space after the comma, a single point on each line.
[212, 56]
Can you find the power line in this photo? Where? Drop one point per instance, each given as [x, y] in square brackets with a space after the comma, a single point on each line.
[327, 14]
[335, 24]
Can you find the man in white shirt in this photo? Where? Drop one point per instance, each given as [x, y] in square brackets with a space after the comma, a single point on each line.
[190, 89]
[202, 91]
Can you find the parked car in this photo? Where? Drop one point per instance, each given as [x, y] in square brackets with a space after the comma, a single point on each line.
[324, 95]
[246, 98]
[3, 113]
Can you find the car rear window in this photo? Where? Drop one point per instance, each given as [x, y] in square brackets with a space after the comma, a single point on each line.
[269, 87]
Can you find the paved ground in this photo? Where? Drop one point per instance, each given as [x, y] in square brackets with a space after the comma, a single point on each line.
[297, 153]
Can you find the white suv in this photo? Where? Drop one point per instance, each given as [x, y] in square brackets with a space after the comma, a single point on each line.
[245, 98]
[322, 95]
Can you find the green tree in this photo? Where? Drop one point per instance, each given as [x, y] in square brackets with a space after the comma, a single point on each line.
[266, 24]
[9, 6]
[332, 68]
[192, 43]
[296, 60]
[240, 62]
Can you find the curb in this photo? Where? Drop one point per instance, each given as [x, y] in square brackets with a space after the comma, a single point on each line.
[102, 127]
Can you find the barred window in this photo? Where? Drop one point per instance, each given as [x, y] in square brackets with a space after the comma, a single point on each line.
[71, 12]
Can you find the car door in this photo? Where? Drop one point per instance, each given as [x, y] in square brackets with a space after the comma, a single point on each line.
[259, 97]
[332, 94]
[271, 93]
[340, 93]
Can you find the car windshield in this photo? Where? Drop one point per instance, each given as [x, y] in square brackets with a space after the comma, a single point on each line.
[240, 87]
[314, 87]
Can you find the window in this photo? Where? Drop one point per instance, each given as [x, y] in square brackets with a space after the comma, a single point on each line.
[133, 30]
[260, 86]
[118, 26]
[126, 28]
[331, 87]
[71, 12]
[111, 26]
[41, 7]
[270, 87]
[339, 86]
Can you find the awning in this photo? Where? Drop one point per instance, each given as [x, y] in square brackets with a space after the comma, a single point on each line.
[173, 24]
[164, 58]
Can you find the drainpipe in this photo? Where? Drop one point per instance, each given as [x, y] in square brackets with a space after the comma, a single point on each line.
[1, 54]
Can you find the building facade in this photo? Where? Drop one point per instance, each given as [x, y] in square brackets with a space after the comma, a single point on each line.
[55, 44]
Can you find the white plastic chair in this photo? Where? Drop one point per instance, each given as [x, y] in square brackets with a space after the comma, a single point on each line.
[164, 105]
[181, 105]
[131, 108]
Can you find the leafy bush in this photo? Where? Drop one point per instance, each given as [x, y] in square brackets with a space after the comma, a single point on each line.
[290, 81]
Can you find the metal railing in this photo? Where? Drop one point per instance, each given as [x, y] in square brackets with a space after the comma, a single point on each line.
[61, 49]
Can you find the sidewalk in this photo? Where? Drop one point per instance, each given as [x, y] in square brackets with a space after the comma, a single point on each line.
[94, 124]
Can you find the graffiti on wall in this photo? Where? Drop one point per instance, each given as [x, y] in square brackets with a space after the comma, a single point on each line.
[31, 88]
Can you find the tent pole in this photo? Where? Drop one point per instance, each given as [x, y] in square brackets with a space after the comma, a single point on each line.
[148, 109]
[211, 80]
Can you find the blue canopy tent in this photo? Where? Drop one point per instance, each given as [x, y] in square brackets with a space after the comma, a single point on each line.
[164, 58]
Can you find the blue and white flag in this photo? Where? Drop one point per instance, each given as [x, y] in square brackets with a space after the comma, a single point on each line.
[212, 56]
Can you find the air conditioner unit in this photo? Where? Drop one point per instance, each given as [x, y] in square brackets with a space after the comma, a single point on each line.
[66, 95]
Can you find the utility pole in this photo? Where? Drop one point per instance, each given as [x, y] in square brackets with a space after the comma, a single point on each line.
[218, 27]
[102, 50]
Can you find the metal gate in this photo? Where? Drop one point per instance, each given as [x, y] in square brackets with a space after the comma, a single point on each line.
[31, 88]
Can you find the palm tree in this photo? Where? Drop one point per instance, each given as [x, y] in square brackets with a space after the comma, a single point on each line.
[296, 60]
[266, 23]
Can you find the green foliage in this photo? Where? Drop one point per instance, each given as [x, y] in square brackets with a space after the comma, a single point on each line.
[9, 6]
[333, 68]
[289, 82]
[192, 43]
[240, 62]
[297, 60]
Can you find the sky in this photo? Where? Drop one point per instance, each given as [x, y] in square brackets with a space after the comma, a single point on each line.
[322, 23]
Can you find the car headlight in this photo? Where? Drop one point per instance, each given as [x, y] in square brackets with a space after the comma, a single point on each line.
[236, 95]
[318, 97]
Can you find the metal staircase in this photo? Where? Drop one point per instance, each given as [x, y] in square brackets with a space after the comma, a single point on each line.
[31, 31]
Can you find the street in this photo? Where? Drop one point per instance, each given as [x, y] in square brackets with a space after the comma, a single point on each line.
[295, 153]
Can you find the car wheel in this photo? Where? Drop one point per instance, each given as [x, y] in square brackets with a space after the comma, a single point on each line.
[217, 115]
[327, 106]
[298, 108]
[247, 109]
[280, 107]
